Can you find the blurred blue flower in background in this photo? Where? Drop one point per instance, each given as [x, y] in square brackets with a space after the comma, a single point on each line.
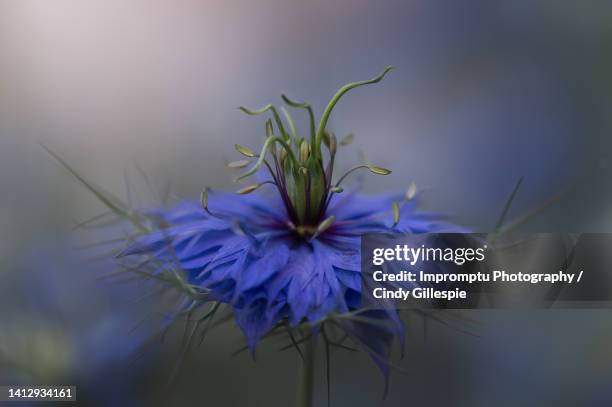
[61, 325]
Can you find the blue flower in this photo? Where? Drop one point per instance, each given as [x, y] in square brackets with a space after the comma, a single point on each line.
[247, 253]
[249, 256]
[286, 258]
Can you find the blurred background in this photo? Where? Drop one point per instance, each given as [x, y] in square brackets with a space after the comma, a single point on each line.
[484, 92]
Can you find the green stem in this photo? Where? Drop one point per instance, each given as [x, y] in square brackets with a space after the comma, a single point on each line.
[306, 374]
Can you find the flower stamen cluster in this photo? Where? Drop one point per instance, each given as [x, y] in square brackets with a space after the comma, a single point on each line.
[301, 168]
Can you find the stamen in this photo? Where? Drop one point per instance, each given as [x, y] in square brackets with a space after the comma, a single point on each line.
[323, 226]
[379, 170]
[303, 180]
[250, 188]
[204, 203]
[372, 168]
[245, 151]
[411, 191]
[204, 198]
[238, 164]
[396, 214]
[347, 140]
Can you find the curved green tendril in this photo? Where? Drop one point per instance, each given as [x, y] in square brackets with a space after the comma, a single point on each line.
[306, 106]
[268, 107]
[338, 95]
[290, 121]
[262, 155]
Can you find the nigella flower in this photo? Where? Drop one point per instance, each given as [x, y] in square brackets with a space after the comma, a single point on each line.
[284, 251]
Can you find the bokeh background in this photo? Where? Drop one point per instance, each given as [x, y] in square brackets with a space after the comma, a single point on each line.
[484, 92]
